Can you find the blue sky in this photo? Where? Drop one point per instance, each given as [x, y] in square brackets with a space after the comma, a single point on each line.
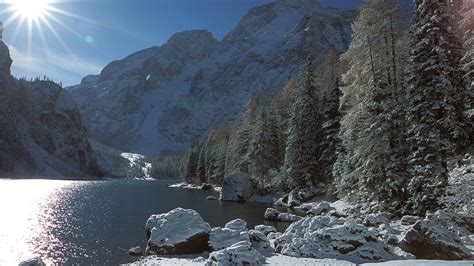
[100, 31]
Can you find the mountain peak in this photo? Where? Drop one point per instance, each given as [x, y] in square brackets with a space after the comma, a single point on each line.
[297, 3]
[5, 60]
[191, 35]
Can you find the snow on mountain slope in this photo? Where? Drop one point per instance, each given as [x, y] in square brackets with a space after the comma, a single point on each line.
[160, 98]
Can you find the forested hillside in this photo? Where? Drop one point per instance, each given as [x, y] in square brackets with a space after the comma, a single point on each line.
[387, 122]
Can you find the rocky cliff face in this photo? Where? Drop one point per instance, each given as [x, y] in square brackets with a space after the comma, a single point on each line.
[158, 99]
[41, 131]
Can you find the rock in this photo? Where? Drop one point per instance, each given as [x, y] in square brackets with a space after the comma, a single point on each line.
[377, 219]
[319, 208]
[211, 198]
[237, 187]
[32, 262]
[221, 238]
[180, 231]
[293, 199]
[274, 215]
[335, 213]
[135, 251]
[237, 224]
[271, 214]
[259, 240]
[409, 219]
[241, 253]
[206, 187]
[435, 238]
[327, 237]
[265, 229]
[5, 61]
[282, 202]
[274, 235]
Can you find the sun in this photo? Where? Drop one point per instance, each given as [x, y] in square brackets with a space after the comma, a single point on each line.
[30, 9]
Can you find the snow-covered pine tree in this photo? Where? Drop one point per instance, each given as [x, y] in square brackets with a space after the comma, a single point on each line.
[330, 141]
[436, 92]
[239, 142]
[216, 153]
[264, 150]
[191, 163]
[467, 29]
[366, 169]
[304, 130]
[201, 173]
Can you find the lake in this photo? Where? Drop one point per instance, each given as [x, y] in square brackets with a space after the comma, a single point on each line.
[86, 222]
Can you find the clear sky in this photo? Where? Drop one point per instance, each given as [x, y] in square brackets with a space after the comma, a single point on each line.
[80, 37]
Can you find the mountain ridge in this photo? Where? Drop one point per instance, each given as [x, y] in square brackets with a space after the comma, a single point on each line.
[158, 99]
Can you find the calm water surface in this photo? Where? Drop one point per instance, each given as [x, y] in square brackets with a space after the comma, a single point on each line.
[88, 222]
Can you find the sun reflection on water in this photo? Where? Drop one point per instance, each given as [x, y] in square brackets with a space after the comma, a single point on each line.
[25, 218]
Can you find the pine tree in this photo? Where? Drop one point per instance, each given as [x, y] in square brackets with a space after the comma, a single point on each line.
[264, 150]
[191, 163]
[330, 141]
[201, 173]
[304, 128]
[366, 168]
[435, 101]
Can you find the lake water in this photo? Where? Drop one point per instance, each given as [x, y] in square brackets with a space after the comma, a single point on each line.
[95, 221]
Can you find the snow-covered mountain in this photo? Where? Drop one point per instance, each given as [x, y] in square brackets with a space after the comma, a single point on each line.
[41, 130]
[158, 99]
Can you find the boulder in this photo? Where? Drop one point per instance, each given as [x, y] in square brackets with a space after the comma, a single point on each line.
[409, 219]
[237, 224]
[258, 240]
[431, 239]
[265, 229]
[274, 215]
[377, 219]
[180, 231]
[237, 187]
[318, 208]
[221, 238]
[328, 237]
[241, 253]
[135, 251]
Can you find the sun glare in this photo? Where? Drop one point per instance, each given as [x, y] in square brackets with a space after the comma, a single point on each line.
[30, 9]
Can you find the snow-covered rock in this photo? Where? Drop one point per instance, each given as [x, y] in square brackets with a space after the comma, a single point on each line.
[327, 237]
[135, 251]
[237, 187]
[377, 219]
[438, 236]
[409, 219]
[241, 253]
[316, 208]
[237, 224]
[265, 229]
[259, 240]
[211, 198]
[180, 231]
[274, 215]
[162, 97]
[221, 238]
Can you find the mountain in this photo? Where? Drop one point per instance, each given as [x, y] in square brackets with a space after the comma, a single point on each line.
[159, 99]
[41, 130]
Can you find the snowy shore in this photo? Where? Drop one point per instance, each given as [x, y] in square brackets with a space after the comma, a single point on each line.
[338, 235]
